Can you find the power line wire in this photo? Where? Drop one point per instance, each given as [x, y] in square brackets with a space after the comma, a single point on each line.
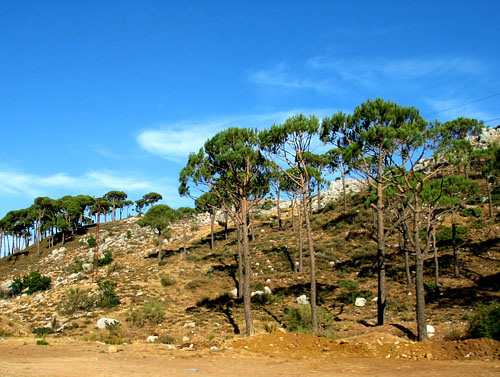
[464, 104]
[491, 120]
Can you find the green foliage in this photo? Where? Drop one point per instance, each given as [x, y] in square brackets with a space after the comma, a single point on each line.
[267, 205]
[34, 282]
[128, 235]
[474, 211]
[152, 313]
[349, 284]
[299, 318]
[445, 233]
[197, 283]
[76, 299]
[106, 259]
[167, 281]
[158, 217]
[91, 241]
[349, 297]
[263, 299]
[486, 323]
[107, 298]
[42, 342]
[42, 332]
[162, 263]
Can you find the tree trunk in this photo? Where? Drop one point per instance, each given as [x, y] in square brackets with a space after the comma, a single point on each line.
[419, 281]
[160, 251]
[381, 301]
[301, 243]
[490, 203]
[63, 232]
[344, 191]
[319, 197]
[292, 205]
[225, 225]
[240, 263]
[248, 271]
[212, 221]
[252, 223]
[280, 225]
[404, 250]
[436, 260]
[454, 244]
[184, 239]
[314, 313]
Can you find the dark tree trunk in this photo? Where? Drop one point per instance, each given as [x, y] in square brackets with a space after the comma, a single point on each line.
[280, 225]
[344, 190]
[252, 224]
[490, 203]
[436, 260]
[381, 301]
[403, 247]
[301, 243]
[248, 271]
[160, 250]
[240, 262]
[292, 205]
[212, 221]
[454, 245]
[419, 281]
[314, 313]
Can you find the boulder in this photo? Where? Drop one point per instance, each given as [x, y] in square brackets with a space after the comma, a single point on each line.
[87, 267]
[103, 323]
[360, 301]
[302, 300]
[268, 290]
[431, 331]
[234, 292]
[152, 339]
[256, 293]
[6, 287]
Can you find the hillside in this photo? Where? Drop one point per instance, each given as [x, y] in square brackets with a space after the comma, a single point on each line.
[199, 311]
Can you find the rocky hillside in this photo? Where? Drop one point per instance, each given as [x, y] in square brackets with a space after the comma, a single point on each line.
[186, 299]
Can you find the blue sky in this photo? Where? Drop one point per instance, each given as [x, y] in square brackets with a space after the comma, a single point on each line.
[103, 95]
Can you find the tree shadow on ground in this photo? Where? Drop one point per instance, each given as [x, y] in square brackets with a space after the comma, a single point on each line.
[222, 304]
[410, 334]
[285, 252]
[483, 249]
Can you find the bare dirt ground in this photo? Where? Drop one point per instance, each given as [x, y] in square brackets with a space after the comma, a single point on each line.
[255, 356]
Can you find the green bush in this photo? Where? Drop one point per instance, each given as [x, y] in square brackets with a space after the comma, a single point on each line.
[349, 284]
[76, 300]
[129, 234]
[299, 319]
[34, 282]
[107, 298]
[263, 299]
[42, 343]
[106, 259]
[474, 211]
[350, 297]
[150, 313]
[91, 241]
[41, 332]
[167, 281]
[486, 323]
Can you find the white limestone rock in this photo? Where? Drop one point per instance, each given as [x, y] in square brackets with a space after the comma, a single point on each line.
[360, 301]
[103, 323]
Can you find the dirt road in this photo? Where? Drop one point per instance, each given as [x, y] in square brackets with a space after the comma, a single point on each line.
[69, 358]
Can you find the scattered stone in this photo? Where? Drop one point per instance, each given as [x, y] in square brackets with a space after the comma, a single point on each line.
[375, 299]
[152, 339]
[431, 331]
[360, 301]
[268, 290]
[256, 293]
[112, 349]
[234, 292]
[190, 324]
[302, 300]
[103, 323]
[38, 298]
[87, 267]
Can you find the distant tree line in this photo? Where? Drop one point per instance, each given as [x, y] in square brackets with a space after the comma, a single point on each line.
[53, 219]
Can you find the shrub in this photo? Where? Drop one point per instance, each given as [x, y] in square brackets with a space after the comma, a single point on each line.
[106, 259]
[167, 281]
[162, 263]
[114, 334]
[41, 332]
[299, 318]
[474, 211]
[152, 312]
[263, 299]
[350, 297]
[42, 343]
[91, 241]
[76, 299]
[486, 323]
[34, 282]
[129, 234]
[349, 284]
[107, 297]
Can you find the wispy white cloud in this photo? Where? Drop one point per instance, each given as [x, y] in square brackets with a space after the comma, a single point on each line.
[328, 74]
[281, 76]
[19, 184]
[175, 141]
